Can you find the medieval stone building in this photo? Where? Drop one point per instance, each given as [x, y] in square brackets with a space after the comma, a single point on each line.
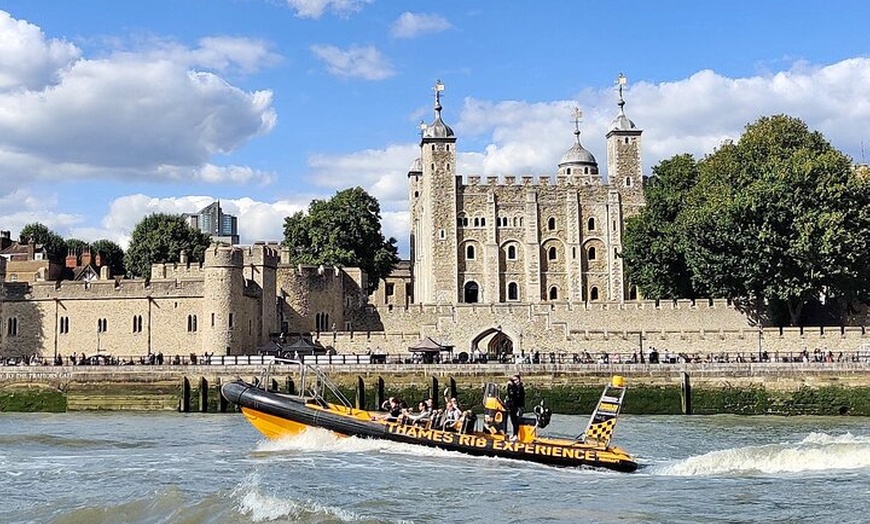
[532, 240]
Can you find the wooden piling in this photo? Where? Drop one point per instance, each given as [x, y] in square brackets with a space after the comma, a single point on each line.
[381, 395]
[203, 395]
[435, 393]
[360, 393]
[222, 401]
[452, 387]
[184, 404]
[274, 385]
[685, 394]
[290, 386]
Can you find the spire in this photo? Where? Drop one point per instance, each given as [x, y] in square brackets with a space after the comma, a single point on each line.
[578, 115]
[621, 122]
[438, 129]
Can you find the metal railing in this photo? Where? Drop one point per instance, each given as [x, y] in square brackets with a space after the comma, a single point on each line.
[663, 358]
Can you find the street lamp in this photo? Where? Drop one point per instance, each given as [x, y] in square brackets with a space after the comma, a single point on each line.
[759, 342]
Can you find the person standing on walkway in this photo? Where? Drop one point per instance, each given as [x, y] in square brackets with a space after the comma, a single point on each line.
[515, 403]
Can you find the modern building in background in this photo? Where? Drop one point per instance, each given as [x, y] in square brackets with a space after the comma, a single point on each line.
[222, 227]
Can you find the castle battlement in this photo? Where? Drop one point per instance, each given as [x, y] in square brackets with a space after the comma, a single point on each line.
[221, 255]
[262, 254]
[138, 288]
[544, 182]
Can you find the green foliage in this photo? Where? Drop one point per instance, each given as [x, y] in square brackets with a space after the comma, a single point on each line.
[74, 246]
[780, 217]
[112, 255]
[653, 252]
[40, 234]
[160, 238]
[342, 231]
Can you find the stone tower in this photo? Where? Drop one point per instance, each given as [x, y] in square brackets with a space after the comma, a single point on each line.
[433, 212]
[625, 173]
[261, 261]
[223, 280]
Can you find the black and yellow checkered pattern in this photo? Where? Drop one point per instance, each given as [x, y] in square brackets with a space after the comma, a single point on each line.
[601, 431]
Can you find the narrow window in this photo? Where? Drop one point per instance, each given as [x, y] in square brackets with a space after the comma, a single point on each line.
[442, 234]
[554, 293]
[628, 181]
[476, 222]
[591, 255]
[448, 147]
[482, 222]
[12, 327]
[551, 224]
[585, 170]
[465, 221]
[626, 140]
[593, 294]
[231, 321]
[513, 291]
[390, 289]
[448, 166]
[551, 253]
[469, 252]
[590, 224]
[212, 320]
[568, 171]
[512, 252]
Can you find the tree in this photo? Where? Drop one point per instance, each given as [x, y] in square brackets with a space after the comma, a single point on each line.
[654, 255]
[342, 231]
[40, 234]
[111, 254]
[161, 237]
[778, 217]
[74, 246]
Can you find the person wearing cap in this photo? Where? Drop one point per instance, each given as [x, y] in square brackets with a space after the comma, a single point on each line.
[515, 403]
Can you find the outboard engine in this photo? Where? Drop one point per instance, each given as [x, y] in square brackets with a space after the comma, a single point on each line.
[542, 415]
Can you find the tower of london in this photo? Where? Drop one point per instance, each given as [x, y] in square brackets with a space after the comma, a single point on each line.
[523, 239]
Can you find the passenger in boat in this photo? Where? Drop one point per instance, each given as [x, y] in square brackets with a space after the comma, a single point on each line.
[452, 414]
[424, 413]
[515, 402]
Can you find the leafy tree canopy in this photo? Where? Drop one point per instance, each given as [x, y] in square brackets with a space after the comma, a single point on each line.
[343, 231]
[74, 246]
[159, 238]
[113, 255]
[779, 217]
[653, 250]
[40, 234]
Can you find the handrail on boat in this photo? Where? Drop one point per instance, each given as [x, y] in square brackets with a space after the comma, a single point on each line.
[322, 383]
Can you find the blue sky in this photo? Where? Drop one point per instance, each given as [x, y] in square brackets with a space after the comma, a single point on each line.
[112, 110]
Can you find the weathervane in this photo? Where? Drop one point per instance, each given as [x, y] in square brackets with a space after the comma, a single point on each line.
[438, 87]
[621, 80]
[578, 116]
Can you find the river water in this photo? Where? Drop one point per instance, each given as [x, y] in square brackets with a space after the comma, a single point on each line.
[95, 468]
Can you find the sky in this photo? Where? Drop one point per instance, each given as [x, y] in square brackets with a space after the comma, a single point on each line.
[110, 111]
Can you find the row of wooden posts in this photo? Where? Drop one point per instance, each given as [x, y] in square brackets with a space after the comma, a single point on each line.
[223, 404]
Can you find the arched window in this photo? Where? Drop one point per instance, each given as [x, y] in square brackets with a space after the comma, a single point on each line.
[591, 253]
[512, 252]
[585, 170]
[12, 326]
[554, 293]
[321, 321]
[191, 323]
[483, 222]
[628, 181]
[433, 147]
[469, 252]
[568, 171]
[472, 292]
[593, 293]
[590, 224]
[465, 221]
[516, 221]
[513, 291]
[632, 293]
[551, 253]
[551, 223]
[476, 222]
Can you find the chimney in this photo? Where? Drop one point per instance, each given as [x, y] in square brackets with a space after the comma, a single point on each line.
[86, 256]
[72, 260]
[104, 273]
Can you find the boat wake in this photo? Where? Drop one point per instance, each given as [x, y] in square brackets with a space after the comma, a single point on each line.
[818, 452]
[322, 440]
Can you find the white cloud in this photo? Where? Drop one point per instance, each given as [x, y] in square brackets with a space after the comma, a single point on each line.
[356, 61]
[132, 115]
[316, 8]
[410, 25]
[28, 60]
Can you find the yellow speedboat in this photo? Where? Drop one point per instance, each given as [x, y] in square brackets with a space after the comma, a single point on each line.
[322, 405]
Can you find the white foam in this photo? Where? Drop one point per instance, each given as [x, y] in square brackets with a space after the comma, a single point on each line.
[261, 507]
[818, 452]
[322, 440]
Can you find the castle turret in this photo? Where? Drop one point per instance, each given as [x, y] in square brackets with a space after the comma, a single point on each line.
[624, 166]
[223, 280]
[577, 163]
[262, 262]
[433, 213]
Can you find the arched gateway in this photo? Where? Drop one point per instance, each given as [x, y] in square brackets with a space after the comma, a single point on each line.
[499, 345]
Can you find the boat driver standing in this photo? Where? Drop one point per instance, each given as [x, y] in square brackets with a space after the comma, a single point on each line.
[515, 402]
